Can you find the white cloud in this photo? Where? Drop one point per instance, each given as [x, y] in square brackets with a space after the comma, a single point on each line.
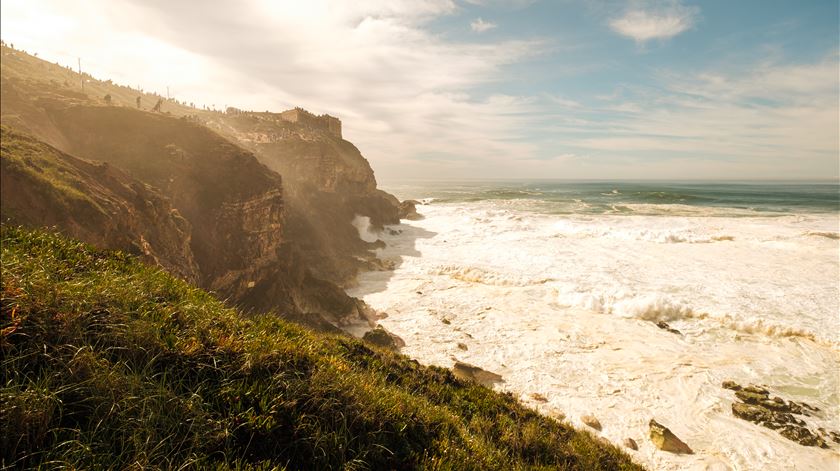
[764, 120]
[479, 26]
[400, 90]
[663, 22]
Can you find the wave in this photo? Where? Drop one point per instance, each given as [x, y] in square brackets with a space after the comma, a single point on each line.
[661, 308]
[366, 232]
[827, 234]
[666, 236]
[487, 277]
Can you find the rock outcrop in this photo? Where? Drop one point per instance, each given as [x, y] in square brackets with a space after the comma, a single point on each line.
[775, 413]
[327, 184]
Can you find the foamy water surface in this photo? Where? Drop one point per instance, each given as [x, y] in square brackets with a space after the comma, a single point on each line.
[564, 304]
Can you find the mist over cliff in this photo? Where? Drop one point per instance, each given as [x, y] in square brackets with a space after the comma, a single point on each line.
[256, 206]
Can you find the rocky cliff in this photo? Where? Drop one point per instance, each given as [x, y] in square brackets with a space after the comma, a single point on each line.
[99, 204]
[235, 206]
[328, 184]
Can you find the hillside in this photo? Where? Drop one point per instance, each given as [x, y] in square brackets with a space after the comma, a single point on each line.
[111, 363]
[239, 241]
[41, 186]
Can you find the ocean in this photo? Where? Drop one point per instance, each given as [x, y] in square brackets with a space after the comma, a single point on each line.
[559, 286]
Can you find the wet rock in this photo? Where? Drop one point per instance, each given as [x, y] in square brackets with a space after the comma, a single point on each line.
[538, 397]
[630, 443]
[664, 326]
[471, 372]
[665, 440]
[462, 345]
[591, 421]
[381, 337]
[408, 210]
[759, 415]
[750, 397]
[758, 407]
[803, 436]
[731, 385]
[756, 390]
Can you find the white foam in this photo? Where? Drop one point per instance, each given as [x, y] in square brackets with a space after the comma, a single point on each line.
[366, 232]
[566, 306]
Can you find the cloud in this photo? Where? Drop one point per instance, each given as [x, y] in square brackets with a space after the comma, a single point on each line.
[479, 26]
[401, 90]
[645, 24]
[759, 120]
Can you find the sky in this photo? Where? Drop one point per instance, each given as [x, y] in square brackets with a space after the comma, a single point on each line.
[491, 89]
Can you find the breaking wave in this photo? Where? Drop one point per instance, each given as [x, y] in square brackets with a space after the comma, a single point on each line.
[487, 277]
[826, 234]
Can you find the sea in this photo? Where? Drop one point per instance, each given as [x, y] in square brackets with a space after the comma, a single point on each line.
[558, 286]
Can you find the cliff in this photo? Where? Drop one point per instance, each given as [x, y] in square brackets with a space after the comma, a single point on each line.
[234, 205]
[328, 184]
[43, 187]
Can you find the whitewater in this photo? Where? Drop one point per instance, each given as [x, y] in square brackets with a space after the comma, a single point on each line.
[559, 288]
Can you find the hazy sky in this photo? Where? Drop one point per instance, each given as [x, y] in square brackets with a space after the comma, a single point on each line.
[496, 88]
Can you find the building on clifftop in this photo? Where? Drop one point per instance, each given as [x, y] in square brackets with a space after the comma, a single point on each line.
[326, 122]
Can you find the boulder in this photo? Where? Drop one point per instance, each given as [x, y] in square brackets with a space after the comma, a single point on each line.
[466, 371]
[591, 421]
[408, 210]
[665, 440]
[381, 337]
[630, 443]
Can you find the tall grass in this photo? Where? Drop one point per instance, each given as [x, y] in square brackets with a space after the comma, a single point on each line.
[111, 364]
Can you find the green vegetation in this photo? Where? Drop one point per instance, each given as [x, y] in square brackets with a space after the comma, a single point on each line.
[41, 163]
[109, 363]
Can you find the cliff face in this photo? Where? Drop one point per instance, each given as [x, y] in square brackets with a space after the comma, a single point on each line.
[234, 204]
[328, 184]
[43, 187]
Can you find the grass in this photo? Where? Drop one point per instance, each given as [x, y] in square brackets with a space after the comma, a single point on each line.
[41, 163]
[112, 364]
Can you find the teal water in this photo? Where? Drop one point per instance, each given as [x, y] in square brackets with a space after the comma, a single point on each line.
[620, 197]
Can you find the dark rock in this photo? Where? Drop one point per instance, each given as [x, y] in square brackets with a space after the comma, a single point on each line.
[776, 414]
[381, 337]
[665, 440]
[803, 436]
[630, 443]
[446, 321]
[731, 385]
[539, 397]
[750, 397]
[462, 345]
[756, 390]
[664, 326]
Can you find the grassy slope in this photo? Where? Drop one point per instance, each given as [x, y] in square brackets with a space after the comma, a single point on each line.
[110, 363]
